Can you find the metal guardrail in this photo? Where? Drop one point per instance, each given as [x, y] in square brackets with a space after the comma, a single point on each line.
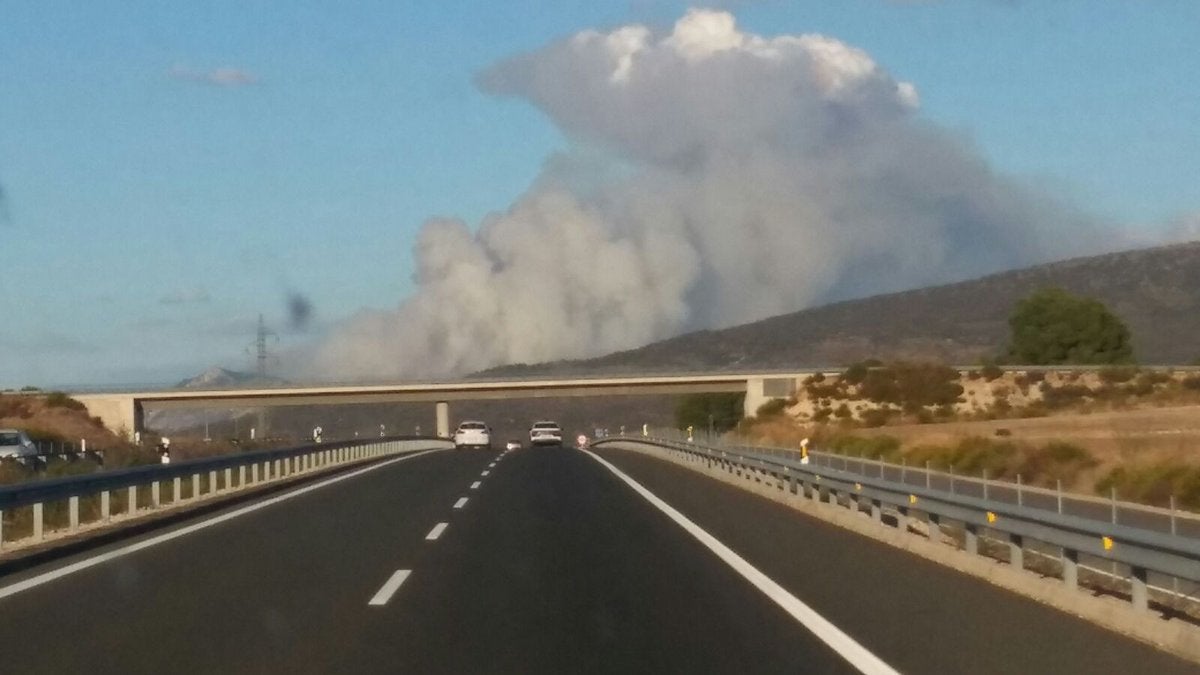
[263, 466]
[1141, 550]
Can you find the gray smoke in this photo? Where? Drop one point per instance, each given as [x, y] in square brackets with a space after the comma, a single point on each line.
[299, 311]
[715, 177]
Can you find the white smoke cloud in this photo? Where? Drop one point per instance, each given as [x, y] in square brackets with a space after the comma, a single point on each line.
[716, 177]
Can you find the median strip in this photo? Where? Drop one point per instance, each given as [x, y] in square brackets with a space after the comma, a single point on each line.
[389, 588]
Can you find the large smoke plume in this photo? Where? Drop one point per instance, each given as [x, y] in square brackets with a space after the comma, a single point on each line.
[715, 177]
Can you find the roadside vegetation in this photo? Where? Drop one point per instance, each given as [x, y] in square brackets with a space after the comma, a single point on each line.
[939, 414]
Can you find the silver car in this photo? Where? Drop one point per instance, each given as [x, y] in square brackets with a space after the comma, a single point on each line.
[16, 444]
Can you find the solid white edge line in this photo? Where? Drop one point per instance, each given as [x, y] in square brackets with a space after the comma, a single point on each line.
[436, 531]
[857, 655]
[462, 501]
[475, 485]
[33, 582]
[389, 588]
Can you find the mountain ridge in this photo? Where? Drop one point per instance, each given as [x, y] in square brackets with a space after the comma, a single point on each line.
[1156, 291]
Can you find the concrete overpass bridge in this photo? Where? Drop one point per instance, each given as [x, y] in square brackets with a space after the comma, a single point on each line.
[124, 412]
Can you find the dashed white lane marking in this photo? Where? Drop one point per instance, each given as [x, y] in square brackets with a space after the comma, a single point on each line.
[492, 465]
[462, 501]
[436, 531]
[843, 644]
[389, 588]
[476, 484]
[485, 472]
[33, 582]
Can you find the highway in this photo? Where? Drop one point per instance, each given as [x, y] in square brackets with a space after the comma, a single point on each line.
[536, 561]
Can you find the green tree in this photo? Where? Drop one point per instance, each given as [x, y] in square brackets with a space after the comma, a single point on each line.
[1053, 327]
[694, 410]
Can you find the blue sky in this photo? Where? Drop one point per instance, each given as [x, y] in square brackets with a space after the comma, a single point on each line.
[170, 170]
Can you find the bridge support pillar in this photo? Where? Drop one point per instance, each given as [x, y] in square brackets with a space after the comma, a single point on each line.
[443, 419]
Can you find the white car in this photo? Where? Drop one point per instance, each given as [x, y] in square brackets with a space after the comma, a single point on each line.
[545, 433]
[16, 444]
[473, 434]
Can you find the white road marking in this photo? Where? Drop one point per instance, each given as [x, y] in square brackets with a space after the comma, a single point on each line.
[436, 531]
[843, 644]
[33, 582]
[492, 465]
[389, 588]
[475, 485]
[462, 501]
[485, 472]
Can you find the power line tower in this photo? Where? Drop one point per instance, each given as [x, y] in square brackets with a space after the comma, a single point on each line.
[261, 340]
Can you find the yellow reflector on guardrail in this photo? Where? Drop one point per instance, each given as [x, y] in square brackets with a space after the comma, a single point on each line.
[858, 486]
[1108, 543]
[991, 517]
[912, 499]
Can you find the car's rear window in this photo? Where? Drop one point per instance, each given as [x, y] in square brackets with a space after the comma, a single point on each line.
[472, 425]
[545, 425]
[10, 439]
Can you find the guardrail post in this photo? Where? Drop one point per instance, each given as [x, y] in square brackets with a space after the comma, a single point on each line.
[155, 494]
[176, 490]
[195, 486]
[1016, 552]
[791, 482]
[105, 506]
[73, 509]
[876, 511]
[131, 502]
[242, 476]
[1137, 594]
[212, 482]
[1, 529]
[1070, 568]
[971, 539]
[228, 479]
[37, 521]
[934, 523]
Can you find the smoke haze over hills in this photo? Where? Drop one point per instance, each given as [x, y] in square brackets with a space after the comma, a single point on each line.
[714, 177]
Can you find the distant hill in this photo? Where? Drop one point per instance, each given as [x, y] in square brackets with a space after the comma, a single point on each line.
[217, 377]
[1156, 291]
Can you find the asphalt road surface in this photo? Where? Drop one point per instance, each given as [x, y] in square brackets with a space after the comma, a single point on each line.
[547, 563]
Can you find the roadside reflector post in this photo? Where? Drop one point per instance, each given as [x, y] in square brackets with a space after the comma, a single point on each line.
[971, 540]
[131, 502]
[105, 506]
[73, 509]
[155, 494]
[242, 476]
[1016, 552]
[37, 521]
[212, 482]
[195, 486]
[228, 479]
[1137, 593]
[254, 474]
[177, 490]
[1070, 568]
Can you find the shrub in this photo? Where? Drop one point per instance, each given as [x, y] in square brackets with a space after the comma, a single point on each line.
[822, 414]
[1063, 395]
[1191, 382]
[991, 371]
[1052, 326]
[771, 408]
[855, 374]
[876, 417]
[57, 399]
[843, 412]
[1117, 374]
